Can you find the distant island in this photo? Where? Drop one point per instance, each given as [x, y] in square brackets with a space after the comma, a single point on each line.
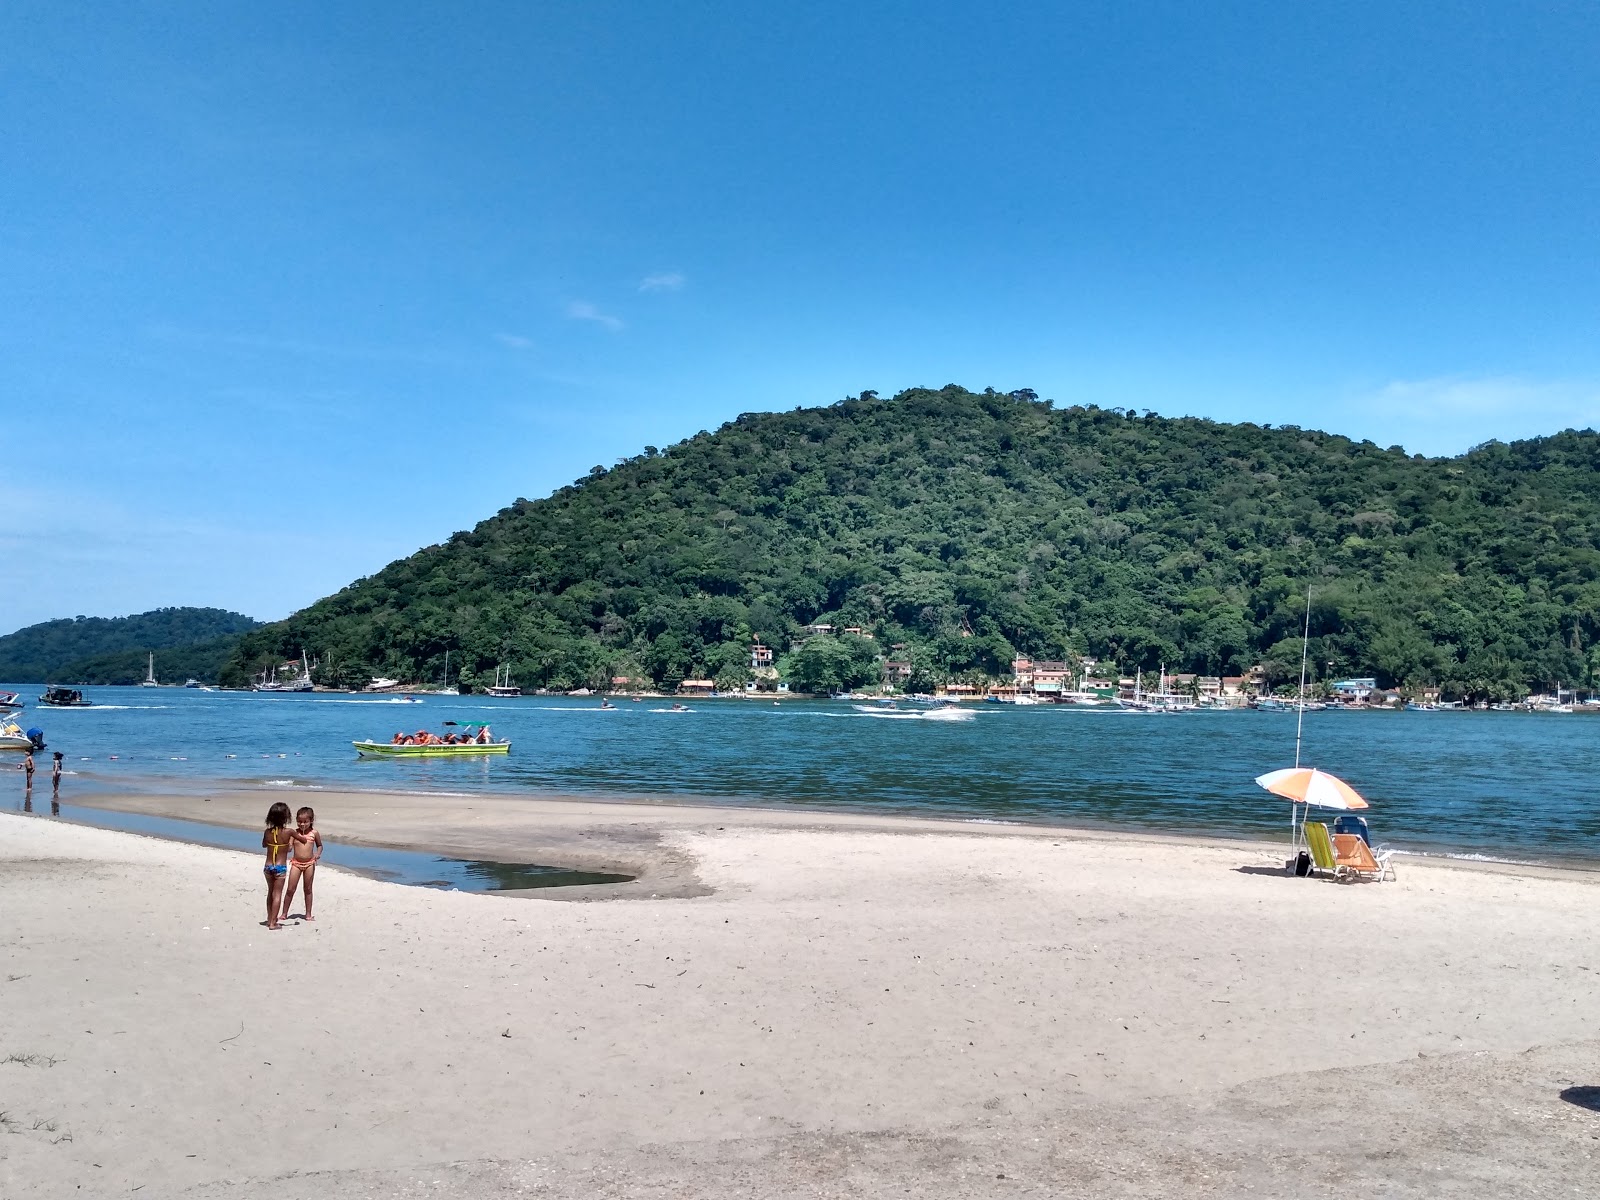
[188, 643]
[937, 535]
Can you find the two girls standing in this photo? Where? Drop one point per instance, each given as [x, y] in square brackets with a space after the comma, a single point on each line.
[292, 857]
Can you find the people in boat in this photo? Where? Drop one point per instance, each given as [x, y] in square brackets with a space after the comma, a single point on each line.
[398, 740]
[483, 735]
[680, 708]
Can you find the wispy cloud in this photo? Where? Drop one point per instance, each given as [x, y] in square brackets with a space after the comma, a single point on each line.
[582, 310]
[666, 281]
[1449, 413]
[514, 340]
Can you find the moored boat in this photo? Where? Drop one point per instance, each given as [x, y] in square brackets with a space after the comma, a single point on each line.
[10, 702]
[502, 684]
[13, 737]
[269, 681]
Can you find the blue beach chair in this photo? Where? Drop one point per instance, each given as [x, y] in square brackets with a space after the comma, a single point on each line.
[1350, 823]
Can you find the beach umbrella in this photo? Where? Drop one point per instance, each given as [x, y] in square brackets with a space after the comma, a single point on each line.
[1309, 786]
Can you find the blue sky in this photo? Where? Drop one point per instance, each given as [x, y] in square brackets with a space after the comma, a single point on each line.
[288, 290]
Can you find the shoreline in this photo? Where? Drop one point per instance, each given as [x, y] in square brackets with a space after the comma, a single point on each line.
[623, 834]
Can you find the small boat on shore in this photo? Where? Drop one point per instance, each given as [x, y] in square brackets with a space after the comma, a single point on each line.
[55, 696]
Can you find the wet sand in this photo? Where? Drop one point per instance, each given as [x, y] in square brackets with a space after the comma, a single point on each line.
[784, 1004]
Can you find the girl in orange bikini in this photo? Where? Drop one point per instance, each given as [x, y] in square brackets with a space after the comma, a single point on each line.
[304, 853]
[275, 841]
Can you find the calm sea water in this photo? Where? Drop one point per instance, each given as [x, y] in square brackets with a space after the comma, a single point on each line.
[1500, 784]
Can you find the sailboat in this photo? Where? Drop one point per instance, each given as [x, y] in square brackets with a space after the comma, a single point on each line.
[444, 688]
[269, 682]
[150, 673]
[502, 683]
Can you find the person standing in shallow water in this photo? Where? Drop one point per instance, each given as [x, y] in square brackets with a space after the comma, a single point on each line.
[55, 779]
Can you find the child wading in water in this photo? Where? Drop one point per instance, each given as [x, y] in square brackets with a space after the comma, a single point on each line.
[275, 840]
[303, 857]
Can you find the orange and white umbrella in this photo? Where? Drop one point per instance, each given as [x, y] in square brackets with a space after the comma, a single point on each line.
[1309, 786]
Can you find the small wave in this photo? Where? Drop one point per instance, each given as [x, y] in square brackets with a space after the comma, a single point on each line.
[1472, 856]
[987, 821]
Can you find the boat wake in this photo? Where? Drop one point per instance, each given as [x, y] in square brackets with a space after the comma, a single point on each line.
[932, 714]
[52, 709]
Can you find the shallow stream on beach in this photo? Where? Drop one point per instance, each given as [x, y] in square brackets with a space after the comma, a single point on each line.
[1503, 785]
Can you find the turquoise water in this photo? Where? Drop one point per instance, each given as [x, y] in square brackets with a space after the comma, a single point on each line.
[1501, 784]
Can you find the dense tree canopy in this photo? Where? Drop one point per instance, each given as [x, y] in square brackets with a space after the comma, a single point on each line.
[78, 649]
[958, 529]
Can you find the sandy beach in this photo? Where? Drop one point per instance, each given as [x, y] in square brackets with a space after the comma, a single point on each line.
[784, 1004]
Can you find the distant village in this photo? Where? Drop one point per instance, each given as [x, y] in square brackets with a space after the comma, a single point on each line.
[1084, 681]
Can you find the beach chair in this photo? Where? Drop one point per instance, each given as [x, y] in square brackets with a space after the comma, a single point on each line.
[1321, 847]
[1345, 856]
[1353, 854]
[1352, 823]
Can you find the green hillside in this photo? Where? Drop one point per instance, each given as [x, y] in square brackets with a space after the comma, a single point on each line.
[967, 527]
[82, 649]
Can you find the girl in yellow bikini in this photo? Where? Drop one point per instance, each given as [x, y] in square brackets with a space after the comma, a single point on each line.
[275, 841]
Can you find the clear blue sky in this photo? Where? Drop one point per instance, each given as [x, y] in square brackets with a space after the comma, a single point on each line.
[288, 290]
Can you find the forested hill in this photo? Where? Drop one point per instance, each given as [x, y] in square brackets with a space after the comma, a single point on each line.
[966, 527]
[73, 649]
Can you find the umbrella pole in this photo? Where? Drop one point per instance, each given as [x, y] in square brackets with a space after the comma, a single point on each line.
[1305, 643]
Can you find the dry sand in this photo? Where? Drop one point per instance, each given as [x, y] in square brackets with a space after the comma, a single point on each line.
[808, 1005]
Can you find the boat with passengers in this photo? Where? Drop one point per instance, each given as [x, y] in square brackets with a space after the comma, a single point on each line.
[55, 696]
[474, 737]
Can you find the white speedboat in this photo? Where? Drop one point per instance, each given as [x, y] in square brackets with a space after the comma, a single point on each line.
[13, 737]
